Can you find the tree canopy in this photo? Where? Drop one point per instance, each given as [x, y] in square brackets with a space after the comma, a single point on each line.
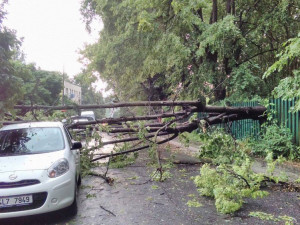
[9, 50]
[152, 50]
[21, 83]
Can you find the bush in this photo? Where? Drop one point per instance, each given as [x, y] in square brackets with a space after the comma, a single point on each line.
[277, 140]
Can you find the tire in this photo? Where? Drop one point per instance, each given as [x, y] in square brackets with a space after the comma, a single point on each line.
[79, 180]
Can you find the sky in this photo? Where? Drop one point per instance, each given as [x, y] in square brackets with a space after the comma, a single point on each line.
[53, 33]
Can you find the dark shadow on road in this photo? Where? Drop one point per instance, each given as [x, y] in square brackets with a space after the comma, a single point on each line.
[43, 219]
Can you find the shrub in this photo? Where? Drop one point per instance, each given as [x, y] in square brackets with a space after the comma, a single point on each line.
[277, 140]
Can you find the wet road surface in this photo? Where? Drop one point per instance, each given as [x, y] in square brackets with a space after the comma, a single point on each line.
[133, 199]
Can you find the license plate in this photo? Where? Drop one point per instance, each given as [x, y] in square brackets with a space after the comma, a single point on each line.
[15, 200]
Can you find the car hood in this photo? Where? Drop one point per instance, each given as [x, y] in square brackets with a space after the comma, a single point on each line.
[29, 162]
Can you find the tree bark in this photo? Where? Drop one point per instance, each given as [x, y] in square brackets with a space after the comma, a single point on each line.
[115, 105]
[228, 6]
[214, 12]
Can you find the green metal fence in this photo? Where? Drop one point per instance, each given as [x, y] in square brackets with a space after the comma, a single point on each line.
[245, 128]
[281, 110]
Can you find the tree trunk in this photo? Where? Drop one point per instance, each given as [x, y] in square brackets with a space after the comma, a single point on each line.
[200, 14]
[228, 6]
[214, 12]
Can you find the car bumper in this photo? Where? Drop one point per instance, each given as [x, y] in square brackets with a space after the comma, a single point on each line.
[50, 195]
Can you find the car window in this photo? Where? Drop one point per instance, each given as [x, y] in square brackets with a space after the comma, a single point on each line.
[31, 141]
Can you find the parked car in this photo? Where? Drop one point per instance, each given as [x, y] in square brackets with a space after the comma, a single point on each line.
[39, 169]
[90, 114]
[82, 131]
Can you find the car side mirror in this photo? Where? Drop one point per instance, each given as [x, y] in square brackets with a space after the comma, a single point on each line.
[76, 145]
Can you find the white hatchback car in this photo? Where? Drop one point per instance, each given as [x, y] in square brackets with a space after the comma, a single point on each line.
[39, 169]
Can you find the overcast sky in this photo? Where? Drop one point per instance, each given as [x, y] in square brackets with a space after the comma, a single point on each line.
[53, 32]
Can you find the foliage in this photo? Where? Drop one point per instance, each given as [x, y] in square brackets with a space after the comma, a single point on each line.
[161, 177]
[87, 153]
[38, 115]
[229, 185]
[40, 87]
[194, 203]
[186, 138]
[85, 162]
[286, 57]
[245, 84]
[154, 187]
[271, 164]
[21, 83]
[289, 88]
[277, 140]
[269, 217]
[288, 60]
[168, 49]
[220, 147]
[10, 82]
[124, 160]
[231, 179]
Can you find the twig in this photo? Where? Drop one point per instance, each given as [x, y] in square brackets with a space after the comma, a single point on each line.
[110, 212]
[238, 176]
[135, 150]
[188, 163]
[150, 180]
[289, 185]
[107, 166]
[155, 140]
[107, 179]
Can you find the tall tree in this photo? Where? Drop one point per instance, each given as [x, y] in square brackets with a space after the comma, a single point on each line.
[288, 60]
[190, 48]
[10, 83]
[39, 87]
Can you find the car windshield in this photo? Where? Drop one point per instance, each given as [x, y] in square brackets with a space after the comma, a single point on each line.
[30, 141]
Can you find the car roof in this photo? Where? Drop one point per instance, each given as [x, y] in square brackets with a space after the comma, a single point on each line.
[32, 124]
[87, 112]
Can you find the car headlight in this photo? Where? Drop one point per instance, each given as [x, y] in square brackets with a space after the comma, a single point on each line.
[58, 168]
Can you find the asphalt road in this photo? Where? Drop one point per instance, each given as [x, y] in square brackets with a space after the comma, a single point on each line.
[133, 199]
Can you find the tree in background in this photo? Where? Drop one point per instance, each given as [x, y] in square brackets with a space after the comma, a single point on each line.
[21, 83]
[41, 87]
[190, 48]
[10, 82]
[289, 62]
[89, 93]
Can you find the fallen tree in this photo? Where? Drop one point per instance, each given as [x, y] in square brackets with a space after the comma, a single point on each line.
[145, 135]
[184, 109]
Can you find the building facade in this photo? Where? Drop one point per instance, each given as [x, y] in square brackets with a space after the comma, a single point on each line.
[73, 92]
